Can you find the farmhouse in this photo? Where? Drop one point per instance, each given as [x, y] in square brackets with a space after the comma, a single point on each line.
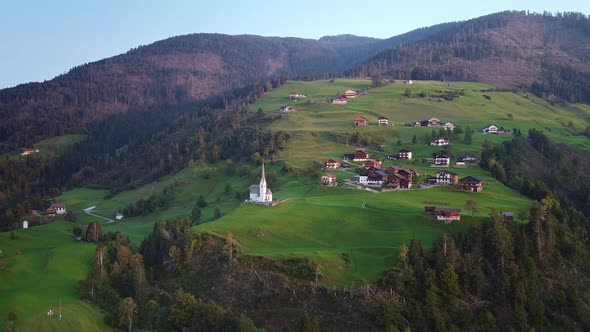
[57, 208]
[440, 142]
[447, 215]
[332, 164]
[448, 126]
[432, 122]
[376, 178]
[404, 154]
[287, 109]
[339, 101]
[328, 179]
[28, 151]
[508, 216]
[361, 121]
[383, 121]
[400, 180]
[360, 179]
[468, 157]
[372, 163]
[491, 129]
[358, 155]
[260, 193]
[296, 95]
[441, 159]
[350, 94]
[473, 183]
[445, 178]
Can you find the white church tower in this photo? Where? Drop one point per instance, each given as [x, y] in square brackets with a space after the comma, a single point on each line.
[260, 193]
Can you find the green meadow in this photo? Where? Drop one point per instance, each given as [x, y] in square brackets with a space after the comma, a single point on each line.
[51, 147]
[353, 235]
[43, 265]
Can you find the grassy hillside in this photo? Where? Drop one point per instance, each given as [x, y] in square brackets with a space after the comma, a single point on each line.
[354, 235]
[51, 147]
[44, 264]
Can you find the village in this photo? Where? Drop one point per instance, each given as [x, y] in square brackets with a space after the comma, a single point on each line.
[369, 174]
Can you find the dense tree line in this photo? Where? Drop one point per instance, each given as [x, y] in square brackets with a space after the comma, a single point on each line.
[467, 52]
[127, 150]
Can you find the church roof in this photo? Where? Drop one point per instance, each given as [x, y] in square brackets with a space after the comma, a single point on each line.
[254, 189]
[268, 191]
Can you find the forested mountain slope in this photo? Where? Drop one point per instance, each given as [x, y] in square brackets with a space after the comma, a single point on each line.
[549, 54]
[173, 72]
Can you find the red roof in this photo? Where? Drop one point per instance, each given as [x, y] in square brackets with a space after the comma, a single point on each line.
[330, 175]
[360, 118]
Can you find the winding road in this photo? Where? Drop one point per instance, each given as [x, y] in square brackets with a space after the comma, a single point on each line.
[88, 211]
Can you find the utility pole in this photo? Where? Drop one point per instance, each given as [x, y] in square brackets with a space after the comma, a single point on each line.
[59, 309]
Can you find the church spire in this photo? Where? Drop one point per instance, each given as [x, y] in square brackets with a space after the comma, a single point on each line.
[263, 176]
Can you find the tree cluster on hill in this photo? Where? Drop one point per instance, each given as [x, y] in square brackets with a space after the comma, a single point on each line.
[507, 49]
[131, 149]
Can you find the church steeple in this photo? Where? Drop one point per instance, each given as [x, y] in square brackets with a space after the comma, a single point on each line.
[263, 176]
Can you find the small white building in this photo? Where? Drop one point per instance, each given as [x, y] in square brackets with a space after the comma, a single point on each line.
[119, 216]
[260, 193]
[448, 126]
[361, 179]
[440, 142]
[25, 224]
[491, 129]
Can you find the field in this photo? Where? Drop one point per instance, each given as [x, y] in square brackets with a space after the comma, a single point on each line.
[44, 264]
[356, 235]
[51, 147]
[353, 235]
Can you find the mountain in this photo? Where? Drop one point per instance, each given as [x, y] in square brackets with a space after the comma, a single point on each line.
[547, 53]
[175, 71]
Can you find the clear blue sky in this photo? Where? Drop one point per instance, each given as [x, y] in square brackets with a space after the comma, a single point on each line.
[44, 38]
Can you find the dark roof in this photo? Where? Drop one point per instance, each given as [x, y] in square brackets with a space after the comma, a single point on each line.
[447, 172]
[476, 178]
[405, 150]
[507, 214]
[441, 155]
[383, 118]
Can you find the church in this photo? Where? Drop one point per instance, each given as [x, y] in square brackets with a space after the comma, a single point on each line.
[259, 193]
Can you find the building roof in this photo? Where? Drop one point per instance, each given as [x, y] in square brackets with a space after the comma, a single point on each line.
[57, 206]
[360, 118]
[330, 175]
[404, 151]
[441, 154]
[254, 189]
[383, 118]
[268, 192]
[507, 214]
[447, 172]
[331, 160]
[476, 178]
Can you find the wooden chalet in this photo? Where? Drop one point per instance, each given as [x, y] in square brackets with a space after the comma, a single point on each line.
[341, 100]
[287, 109]
[440, 142]
[473, 183]
[448, 126]
[372, 163]
[56, 208]
[441, 159]
[445, 178]
[28, 151]
[332, 164]
[447, 215]
[376, 177]
[508, 216]
[358, 155]
[361, 121]
[328, 179]
[351, 94]
[404, 154]
[491, 129]
[296, 95]
[383, 121]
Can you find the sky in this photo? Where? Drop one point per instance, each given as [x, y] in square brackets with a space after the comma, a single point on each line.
[45, 38]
